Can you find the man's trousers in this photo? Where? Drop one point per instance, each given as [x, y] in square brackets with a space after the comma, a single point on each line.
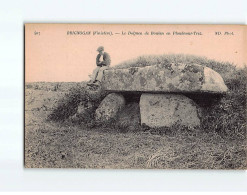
[98, 73]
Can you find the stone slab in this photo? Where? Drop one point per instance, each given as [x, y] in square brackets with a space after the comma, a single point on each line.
[172, 78]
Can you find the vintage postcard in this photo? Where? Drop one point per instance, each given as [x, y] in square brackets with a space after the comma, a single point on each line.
[135, 96]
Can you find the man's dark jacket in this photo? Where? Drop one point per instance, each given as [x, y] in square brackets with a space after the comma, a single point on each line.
[106, 60]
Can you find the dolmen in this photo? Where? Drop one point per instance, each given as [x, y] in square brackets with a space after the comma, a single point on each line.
[164, 92]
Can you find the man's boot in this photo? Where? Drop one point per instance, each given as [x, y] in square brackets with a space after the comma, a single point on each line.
[91, 83]
[97, 83]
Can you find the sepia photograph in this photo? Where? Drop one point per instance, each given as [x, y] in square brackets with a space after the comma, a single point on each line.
[135, 96]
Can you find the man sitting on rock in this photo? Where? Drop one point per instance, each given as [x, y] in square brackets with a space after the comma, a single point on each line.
[103, 62]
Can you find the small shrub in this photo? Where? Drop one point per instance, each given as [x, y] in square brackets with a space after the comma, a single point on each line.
[67, 106]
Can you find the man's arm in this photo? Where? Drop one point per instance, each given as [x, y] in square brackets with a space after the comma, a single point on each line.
[98, 63]
[106, 59]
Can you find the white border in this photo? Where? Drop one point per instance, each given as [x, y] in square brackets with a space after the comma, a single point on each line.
[13, 14]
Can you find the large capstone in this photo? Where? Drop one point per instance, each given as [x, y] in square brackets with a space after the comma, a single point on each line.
[109, 107]
[172, 78]
[165, 110]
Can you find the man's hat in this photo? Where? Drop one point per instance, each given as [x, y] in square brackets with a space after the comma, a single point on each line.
[100, 48]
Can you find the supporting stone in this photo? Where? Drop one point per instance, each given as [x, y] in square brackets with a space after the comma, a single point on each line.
[165, 110]
[109, 107]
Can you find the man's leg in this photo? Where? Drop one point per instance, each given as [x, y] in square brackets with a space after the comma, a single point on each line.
[95, 74]
[101, 73]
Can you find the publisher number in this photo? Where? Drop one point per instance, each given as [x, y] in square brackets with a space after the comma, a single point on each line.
[36, 33]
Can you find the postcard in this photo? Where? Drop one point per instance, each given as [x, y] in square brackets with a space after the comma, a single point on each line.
[135, 96]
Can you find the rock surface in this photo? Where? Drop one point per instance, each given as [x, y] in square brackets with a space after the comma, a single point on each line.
[84, 108]
[165, 110]
[109, 107]
[175, 77]
[95, 93]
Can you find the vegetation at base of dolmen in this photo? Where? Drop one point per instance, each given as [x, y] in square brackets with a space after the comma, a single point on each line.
[67, 106]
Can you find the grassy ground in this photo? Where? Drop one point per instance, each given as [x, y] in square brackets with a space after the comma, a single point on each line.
[65, 146]
[52, 139]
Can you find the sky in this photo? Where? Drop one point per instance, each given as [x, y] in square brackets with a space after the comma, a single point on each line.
[55, 53]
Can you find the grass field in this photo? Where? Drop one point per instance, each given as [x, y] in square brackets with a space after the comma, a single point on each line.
[53, 140]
